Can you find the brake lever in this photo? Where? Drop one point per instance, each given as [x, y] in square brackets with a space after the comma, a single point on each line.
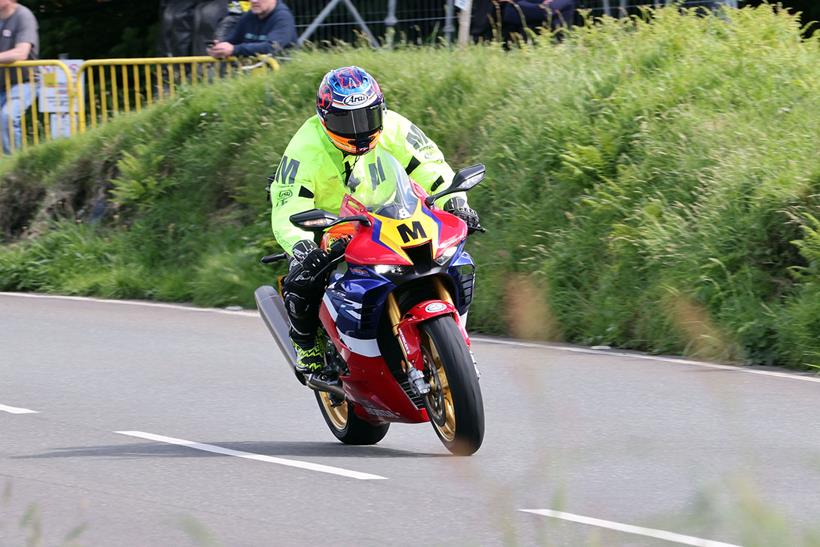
[478, 228]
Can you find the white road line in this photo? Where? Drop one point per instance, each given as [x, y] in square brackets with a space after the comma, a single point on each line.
[733, 368]
[746, 370]
[16, 410]
[132, 303]
[630, 529]
[251, 456]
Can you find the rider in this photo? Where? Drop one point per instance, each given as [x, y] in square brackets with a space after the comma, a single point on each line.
[352, 119]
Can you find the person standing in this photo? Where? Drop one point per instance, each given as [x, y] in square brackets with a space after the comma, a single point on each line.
[267, 29]
[19, 41]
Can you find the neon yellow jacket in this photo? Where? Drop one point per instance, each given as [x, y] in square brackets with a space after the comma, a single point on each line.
[313, 172]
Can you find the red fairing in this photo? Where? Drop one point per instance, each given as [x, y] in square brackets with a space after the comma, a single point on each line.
[363, 249]
[376, 395]
[409, 327]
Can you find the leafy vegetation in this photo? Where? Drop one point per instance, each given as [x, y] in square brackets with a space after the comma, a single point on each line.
[654, 183]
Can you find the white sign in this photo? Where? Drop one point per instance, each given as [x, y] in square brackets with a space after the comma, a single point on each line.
[60, 124]
[53, 92]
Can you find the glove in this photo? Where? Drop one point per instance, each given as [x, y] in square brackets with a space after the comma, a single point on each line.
[311, 258]
[459, 208]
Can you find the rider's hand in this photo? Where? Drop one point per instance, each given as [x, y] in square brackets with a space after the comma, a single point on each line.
[311, 258]
[459, 207]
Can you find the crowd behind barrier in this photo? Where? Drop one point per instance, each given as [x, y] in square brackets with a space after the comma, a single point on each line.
[71, 97]
[67, 97]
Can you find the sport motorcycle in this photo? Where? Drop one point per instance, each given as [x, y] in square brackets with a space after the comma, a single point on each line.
[399, 284]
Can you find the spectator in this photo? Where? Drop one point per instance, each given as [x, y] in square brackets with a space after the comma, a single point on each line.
[187, 26]
[267, 29]
[513, 16]
[19, 41]
[229, 20]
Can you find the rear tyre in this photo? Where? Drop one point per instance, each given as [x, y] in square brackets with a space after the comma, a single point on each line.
[454, 403]
[345, 424]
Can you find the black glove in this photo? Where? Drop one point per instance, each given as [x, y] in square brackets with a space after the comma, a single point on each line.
[311, 258]
[459, 208]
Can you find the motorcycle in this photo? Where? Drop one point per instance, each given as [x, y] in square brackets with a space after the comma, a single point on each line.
[398, 289]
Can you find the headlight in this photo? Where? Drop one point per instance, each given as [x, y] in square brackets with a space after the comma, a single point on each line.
[446, 256]
[391, 269]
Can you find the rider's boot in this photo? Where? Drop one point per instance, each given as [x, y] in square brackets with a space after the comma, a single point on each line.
[310, 356]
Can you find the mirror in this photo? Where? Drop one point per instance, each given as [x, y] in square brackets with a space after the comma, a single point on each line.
[317, 220]
[464, 180]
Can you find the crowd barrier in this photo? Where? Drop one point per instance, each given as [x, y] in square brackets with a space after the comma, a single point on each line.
[20, 83]
[58, 98]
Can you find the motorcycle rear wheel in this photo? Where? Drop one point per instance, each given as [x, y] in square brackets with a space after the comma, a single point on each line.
[346, 425]
[454, 404]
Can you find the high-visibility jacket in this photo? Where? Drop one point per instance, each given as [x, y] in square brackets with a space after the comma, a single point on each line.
[313, 172]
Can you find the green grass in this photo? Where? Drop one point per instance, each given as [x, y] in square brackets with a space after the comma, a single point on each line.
[656, 183]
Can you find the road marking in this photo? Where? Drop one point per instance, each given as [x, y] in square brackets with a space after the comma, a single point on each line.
[589, 351]
[16, 410]
[630, 529]
[132, 303]
[251, 456]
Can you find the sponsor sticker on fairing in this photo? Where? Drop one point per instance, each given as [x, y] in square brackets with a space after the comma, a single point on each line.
[435, 307]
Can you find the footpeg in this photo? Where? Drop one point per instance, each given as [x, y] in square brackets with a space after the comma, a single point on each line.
[417, 381]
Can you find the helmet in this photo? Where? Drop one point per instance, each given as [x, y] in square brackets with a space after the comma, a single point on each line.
[351, 107]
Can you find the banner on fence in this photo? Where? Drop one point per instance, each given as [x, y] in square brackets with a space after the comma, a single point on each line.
[54, 96]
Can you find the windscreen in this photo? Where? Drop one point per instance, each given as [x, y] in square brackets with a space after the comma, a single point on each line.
[379, 182]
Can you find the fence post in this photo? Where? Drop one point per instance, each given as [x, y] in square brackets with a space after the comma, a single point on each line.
[318, 21]
[390, 23]
[606, 8]
[464, 22]
[448, 22]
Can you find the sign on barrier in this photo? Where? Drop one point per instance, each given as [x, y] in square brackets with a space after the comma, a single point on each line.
[54, 93]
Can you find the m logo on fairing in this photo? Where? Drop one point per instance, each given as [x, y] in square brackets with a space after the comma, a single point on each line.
[411, 232]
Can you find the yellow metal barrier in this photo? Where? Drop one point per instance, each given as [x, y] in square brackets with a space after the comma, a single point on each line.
[102, 89]
[113, 86]
[22, 81]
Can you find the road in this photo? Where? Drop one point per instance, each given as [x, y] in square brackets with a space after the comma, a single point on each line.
[611, 448]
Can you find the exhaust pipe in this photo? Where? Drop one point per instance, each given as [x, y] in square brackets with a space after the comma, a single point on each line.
[272, 309]
[320, 383]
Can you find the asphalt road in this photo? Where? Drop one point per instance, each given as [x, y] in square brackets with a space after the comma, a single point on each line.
[681, 452]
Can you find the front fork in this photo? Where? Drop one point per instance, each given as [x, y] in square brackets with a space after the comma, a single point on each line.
[406, 330]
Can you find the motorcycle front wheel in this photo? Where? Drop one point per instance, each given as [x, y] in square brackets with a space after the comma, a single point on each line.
[454, 403]
[345, 425]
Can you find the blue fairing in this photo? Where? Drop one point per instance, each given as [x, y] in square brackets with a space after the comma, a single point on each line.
[358, 294]
[462, 271]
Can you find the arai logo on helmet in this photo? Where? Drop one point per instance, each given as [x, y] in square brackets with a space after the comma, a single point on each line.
[355, 100]
[435, 307]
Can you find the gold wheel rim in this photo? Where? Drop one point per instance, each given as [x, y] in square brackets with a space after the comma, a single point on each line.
[440, 398]
[337, 414]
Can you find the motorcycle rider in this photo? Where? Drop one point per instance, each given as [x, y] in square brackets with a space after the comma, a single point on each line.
[351, 120]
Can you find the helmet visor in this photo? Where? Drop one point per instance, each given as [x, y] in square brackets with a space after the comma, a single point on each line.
[353, 123]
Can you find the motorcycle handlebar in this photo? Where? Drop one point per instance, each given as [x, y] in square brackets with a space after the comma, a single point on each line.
[334, 255]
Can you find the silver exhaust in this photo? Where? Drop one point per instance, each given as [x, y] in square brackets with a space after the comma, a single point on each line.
[272, 309]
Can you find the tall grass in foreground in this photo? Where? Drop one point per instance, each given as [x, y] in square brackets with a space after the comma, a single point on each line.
[652, 185]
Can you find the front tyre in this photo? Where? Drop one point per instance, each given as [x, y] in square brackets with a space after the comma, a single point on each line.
[454, 403]
[345, 425]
